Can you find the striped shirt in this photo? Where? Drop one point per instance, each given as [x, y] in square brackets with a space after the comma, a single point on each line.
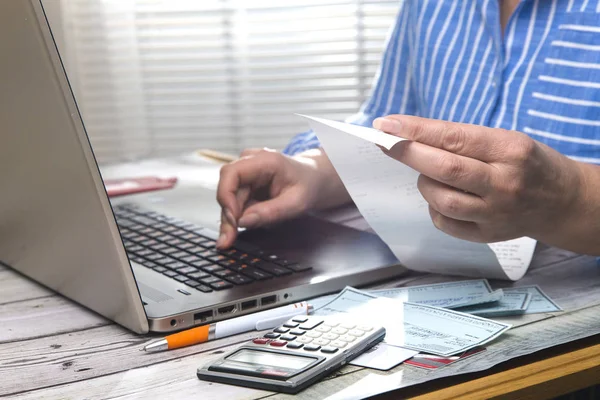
[450, 60]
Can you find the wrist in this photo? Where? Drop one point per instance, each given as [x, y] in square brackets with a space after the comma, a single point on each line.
[327, 187]
[578, 229]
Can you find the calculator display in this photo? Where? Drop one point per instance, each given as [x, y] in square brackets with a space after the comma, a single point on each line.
[278, 360]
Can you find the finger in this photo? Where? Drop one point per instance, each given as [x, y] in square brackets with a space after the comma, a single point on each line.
[245, 172]
[459, 229]
[452, 203]
[457, 171]
[474, 141]
[285, 206]
[227, 232]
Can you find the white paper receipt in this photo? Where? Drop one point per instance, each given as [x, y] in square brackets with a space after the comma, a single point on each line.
[385, 192]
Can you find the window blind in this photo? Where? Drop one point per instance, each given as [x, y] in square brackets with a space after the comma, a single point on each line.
[160, 77]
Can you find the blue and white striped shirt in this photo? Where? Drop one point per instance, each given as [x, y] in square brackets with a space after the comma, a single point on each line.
[449, 60]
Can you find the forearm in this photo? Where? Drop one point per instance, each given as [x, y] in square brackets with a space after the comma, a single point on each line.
[331, 192]
[580, 227]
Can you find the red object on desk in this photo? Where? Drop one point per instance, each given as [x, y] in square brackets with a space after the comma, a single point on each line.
[121, 187]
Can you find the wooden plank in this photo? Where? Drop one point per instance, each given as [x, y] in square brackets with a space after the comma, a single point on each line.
[44, 316]
[175, 379]
[16, 287]
[81, 355]
[548, 378]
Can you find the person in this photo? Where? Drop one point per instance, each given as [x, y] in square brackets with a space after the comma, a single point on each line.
[500, 101]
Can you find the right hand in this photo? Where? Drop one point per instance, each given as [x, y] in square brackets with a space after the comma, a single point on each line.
[265, 186]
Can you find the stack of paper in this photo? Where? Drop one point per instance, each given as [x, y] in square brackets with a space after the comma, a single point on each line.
[419, 318]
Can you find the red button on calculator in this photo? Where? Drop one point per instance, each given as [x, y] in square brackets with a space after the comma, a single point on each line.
[278, 343]
[261, 341]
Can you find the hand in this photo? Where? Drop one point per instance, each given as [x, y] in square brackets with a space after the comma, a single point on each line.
[484, 184]
[264, 187]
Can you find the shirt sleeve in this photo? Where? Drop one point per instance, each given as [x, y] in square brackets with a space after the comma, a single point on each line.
[390, 90]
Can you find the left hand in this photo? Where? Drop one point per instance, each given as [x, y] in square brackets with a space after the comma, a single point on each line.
[484, 184]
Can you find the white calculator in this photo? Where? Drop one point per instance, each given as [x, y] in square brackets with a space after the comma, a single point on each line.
[294, 355]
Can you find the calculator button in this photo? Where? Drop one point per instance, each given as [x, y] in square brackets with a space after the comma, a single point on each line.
[312, 347]
[288, 337]
[346, 338]
[261, 341]
[300, 319]
[330, 336]
[313, 334]
[356, 332]
[311, 324]
[272, 335]
[297, 332]
[348, 326]
[365, 328]
[331, 324]
[323, 328]
[281, 330]
[304, 340]
[321, 342]
[291, 325]
[329, 350]
[295, 345]
[338, 343]
[278, 343]
[339, 331]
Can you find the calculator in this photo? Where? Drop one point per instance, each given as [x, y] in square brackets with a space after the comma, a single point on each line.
[295, 354]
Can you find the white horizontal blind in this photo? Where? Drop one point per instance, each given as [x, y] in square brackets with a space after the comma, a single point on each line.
[157, 77]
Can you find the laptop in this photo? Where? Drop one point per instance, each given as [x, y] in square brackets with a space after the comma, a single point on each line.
[147, 265]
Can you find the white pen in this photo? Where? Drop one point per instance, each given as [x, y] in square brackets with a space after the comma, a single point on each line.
[255, 321]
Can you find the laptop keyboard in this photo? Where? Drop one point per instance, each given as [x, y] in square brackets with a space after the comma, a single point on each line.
[184, 252]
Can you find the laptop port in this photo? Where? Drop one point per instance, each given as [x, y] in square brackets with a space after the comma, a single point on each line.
[226, 309]
[203, 316]
[249, 304]
[265, 301]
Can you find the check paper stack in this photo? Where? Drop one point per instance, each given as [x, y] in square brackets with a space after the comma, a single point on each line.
[418, 327]
[385, 192]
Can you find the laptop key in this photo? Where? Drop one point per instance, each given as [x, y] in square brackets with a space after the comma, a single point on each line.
[212, 268]
[180, 254]
[203, 288]
[170, 273]
[198, 275]
[220, 285]
[180, 278]
[186, 246]
[209, 280]
[192, 283]
[175, 265]
[187, 270]
[160, 269]
[256, 273]
[170, 250]
[190, 259]
[238, 279]
[224, 273]
[201, 263]
[149, 264]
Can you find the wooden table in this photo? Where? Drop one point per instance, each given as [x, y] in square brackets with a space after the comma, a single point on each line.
[52, 348]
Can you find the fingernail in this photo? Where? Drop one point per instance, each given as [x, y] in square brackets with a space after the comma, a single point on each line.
[248, 221]
[221, 240]
[387, 125]
[230, 218]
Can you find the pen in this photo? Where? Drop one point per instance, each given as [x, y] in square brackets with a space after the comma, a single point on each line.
[257, 321]
[217, 155]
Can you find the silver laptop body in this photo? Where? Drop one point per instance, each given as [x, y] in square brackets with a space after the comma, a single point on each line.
[57, 224]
